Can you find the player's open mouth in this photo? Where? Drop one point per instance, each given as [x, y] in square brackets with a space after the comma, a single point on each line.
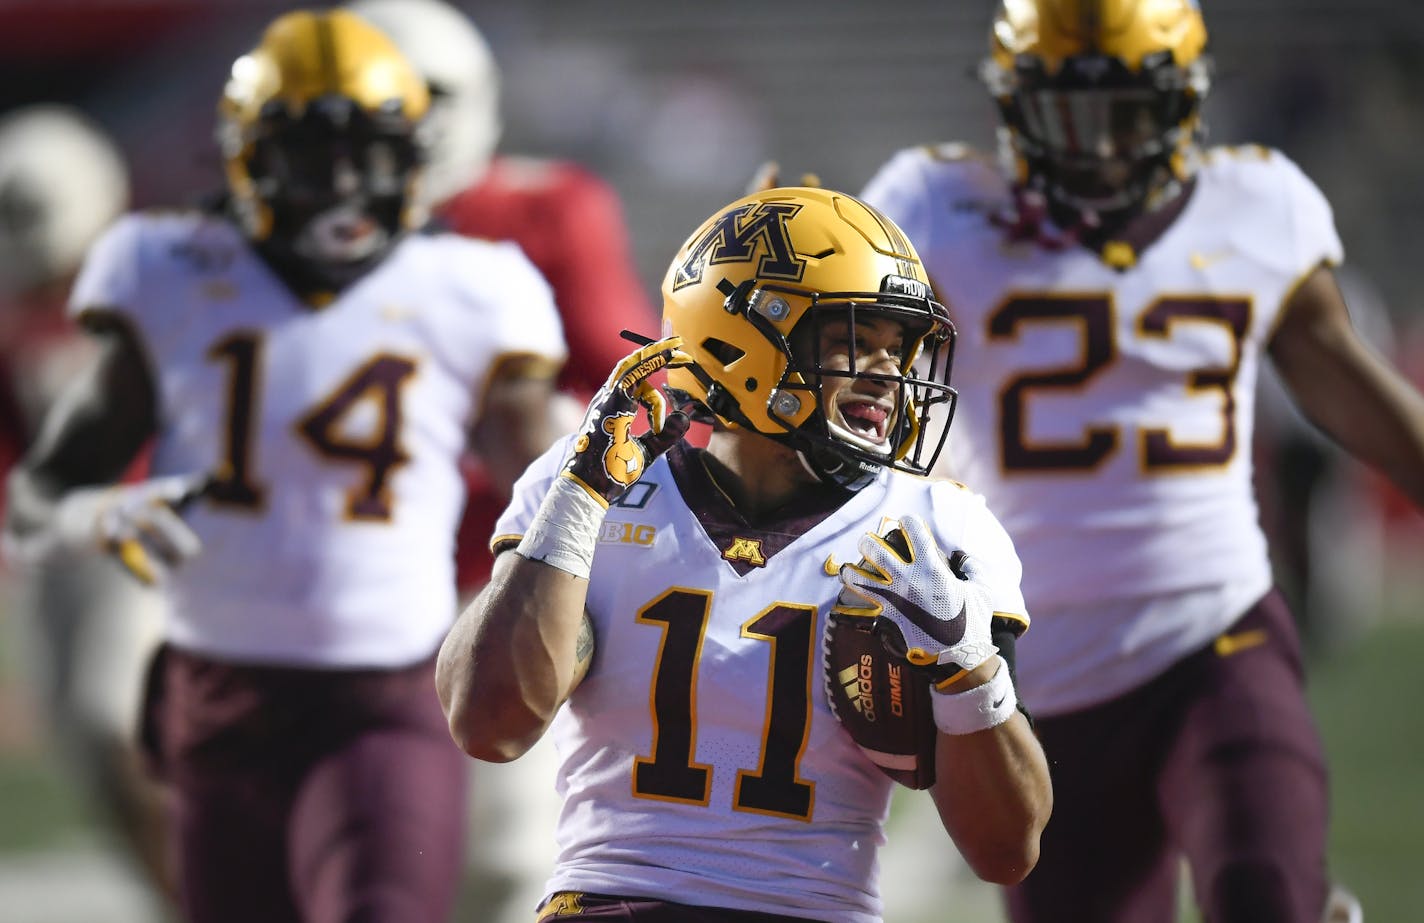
[868, 419]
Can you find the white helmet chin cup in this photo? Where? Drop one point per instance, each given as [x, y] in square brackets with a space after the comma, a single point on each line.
[62, 181]
[445, 47]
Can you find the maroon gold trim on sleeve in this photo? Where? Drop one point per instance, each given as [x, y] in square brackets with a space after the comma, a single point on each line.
[504, 543]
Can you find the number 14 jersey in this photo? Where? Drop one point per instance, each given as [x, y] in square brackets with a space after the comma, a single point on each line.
[332, 434]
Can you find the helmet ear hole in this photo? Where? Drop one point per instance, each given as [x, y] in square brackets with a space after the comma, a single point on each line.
[722, 351]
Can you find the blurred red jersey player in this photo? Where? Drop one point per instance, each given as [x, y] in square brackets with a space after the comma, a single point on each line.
[568, 221]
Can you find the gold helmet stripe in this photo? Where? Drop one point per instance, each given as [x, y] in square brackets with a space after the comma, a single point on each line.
[326, 55]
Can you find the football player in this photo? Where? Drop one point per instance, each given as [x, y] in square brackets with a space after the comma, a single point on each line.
[570, 224]
[310, 372]
[660, 609]
[567, 220]
[1115, 287]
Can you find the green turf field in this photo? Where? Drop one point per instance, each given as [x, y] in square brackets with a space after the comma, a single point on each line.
[1367, 696]
[1370, 703]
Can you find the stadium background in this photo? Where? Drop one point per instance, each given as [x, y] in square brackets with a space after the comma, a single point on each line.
[676, 103]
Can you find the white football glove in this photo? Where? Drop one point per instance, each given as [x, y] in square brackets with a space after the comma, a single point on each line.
[924, 610]
[137, 523]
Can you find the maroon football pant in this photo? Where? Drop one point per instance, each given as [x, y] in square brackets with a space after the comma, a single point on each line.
[1217, 760]
[309, 796]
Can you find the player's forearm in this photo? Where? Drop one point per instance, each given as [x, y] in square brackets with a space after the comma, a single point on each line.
[511, 658]
[1348, 390]
[515, 427]
[1378, 417]
[994, 797]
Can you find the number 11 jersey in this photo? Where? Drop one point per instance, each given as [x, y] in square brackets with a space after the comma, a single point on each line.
[699, 759]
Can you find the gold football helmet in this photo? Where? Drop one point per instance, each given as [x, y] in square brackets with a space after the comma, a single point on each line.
[318, 131]
[1099, 101]
[748, 293]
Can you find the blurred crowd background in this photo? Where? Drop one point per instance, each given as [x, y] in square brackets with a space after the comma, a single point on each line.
[677, 103]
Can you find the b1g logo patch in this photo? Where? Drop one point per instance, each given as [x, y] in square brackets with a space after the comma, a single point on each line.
[628, 533]
[738, 235]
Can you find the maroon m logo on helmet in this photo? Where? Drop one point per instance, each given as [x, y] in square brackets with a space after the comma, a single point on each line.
[739, 235]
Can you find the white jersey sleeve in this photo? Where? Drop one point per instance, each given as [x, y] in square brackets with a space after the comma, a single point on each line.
[109, 275]
[962, 520]
[498, 304]
[1298, 231]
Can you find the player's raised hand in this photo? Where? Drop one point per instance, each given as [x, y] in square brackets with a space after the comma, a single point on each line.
[930, 609]
[607, 457]
[139, 524]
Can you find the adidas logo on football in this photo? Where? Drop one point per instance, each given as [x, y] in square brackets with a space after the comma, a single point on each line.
[856, 681]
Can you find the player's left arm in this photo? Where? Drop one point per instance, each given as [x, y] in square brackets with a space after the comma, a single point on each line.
[991, 787]
[60, 498]
[1345, 388]
[994, 797]
[514, 425]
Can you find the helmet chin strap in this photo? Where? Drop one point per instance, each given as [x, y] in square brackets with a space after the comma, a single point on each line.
[831, 467]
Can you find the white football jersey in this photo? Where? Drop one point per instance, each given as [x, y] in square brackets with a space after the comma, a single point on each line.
[332, 435]
[699, 759]
[1106, 415]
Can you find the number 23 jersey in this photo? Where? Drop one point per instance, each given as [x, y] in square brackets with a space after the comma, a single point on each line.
[1106, 414]
[699, 759]
[332, 434]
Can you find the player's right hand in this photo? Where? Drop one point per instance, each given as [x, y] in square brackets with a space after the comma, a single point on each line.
[138, 524]
[934, 613]
[607, 457]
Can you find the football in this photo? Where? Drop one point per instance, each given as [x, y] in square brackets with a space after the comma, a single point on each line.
[881, 702]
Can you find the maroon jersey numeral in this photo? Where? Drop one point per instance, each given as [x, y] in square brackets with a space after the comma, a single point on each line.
[775, 786]
[1092, 316]
[670, 772]
[231, 483]
[379, 381]
[1159, 450]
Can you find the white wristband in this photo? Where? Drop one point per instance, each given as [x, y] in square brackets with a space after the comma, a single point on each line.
[564, 533]
[983, 707]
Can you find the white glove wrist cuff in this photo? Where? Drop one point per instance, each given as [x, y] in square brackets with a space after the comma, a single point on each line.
[564, 533]
[983, 707]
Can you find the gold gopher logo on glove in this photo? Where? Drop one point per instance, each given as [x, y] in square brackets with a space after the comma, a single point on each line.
[622, 460]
